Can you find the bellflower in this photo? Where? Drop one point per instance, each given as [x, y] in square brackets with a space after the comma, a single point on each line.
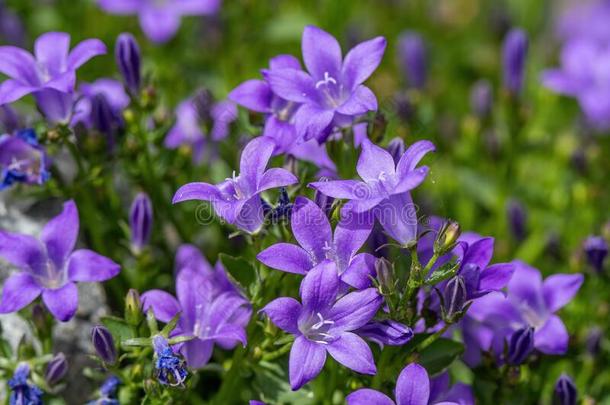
[236, 199]
[50, 267]
[530, 302]
[584, 76]
[49, 74]
[257, 95]
[312, 230]
[115, 99]
[331, 91]
[160, 20]
[210, 308]
[385, 187]
[22, 392]
[321, 324]
[22, 159]
[414, 387]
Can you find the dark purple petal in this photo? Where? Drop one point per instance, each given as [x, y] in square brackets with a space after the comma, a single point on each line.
[319, 287]
[374, 163]
[284, 313]
[306, 361]
[84, 51]
[62, 302]
[353, 352]
[362, 100]
[253, 94]
[559, 289]
[22, 251]
[413, 155]
[230, 335]
[413, 386]
[387, 332]
[286, 257]
[553, 337]
[496, 276]
[367, 396]
[197, 191]
[86, 265]
[321, 53]
[251, 215]
[18, 291]
[354, 310]
[60, 233]
[362, 60]
[311, 228]
[163, 304]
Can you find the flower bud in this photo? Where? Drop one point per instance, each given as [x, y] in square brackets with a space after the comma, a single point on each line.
[385, 275]
[56, 369]
[396, 147]
[593, 340]
[102, 116]
[596, 250]
[323, 201]
[517, 219]
[520, 346]
[103, 342]
[447, 237]
[203, 101]
[455, 296]
[413, 59]
[514, 55]
[565, 392]
[140, 221]
[387, 332]
[127, 55]
[133, 307]
[481, 98]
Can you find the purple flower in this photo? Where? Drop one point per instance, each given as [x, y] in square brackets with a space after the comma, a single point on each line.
[50, 74]
[514, 53]
[22, 392]
[412, 57]
[160, 20]
[140, 221]
[211, 309]
[529, 302]
[311, 228]
[385, 186]
[585, 20]
[596, 250]
[565, 392]
[128, 59]
[237, 199]
[22, 159]
[170, 368]
[257, 95]
[584, 75]
[387, 332]
[331, 92]
[108, 92]
[48, 266]
[322, 324]
[414, 387]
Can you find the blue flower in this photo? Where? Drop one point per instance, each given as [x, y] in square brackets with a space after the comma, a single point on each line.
[21, 391]
[170, 367]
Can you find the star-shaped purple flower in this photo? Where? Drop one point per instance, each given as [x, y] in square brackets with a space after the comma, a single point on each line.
[49, 74]
[332, 89]
[322, 324]
[313, 232]
[160, 19]
[50, 267]
[22, 159]
[385, 187]
[237, 199]
[414, 387]
[257, 95]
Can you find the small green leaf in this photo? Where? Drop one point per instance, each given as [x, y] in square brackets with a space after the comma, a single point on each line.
[238, 269]
[440, 354]
[171, 325]
[138, 342]
[119, 328]
[442, 273]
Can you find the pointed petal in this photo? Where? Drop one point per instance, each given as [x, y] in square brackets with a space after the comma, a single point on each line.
[367, 396]
[496, 276]
[559, 289]
[479, 253]
[312, 151]
[159, 24]
[355, 309]
[292, 85]
[18, 64]
[362, 60]
[197, 352]
[350, 234]
[228, 335]
[253, 94]
[163, 304]
[374, 162]
[525, 287]
[413, 155]
[319, 287]
[311, 121]
[284, 313]
[360, 271]
[356, 207]
[276, 177]
[398, 217]
[353, 352]
[286, 257]
[190, 256]
[361, 101]
[552, 338]
[254, 159]
[51, 50]
[18, 291]
[22, 251]
[412, 180]
[60, 233]
[62, 302]
[413, 386]
[197, 191]
[311, 228]
[321, 53]
[84, 51]
[284, 62]
[191, 291]
[86, 265]
[306, 362]
[251, 216]
[339, 188]
[12, 90]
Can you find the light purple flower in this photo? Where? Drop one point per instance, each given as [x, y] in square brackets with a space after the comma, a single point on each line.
[331, 92]
[412, 57]
[22, 159]
[49, 74]
[237, 199]
[414, 387]
[322, 324]
[584, 75]
[311, 228]
[160, 19]
[114, 93]
[257, 95]
[529, 302]
[50, 267]
[585, 20]
[211, 308]
[385, 187]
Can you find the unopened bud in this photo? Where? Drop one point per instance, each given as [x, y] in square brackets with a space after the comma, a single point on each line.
[565, 392]
[520, 346]
[103, 342]
[514, 54]
[387, 332]
[413, 59]
[56, 369]
[396, 147]
[596, 250]
[133, 307]
[455, 296]
[385, 275]
[140, 221]
[447, 237]
[128, 59]
[481, 98]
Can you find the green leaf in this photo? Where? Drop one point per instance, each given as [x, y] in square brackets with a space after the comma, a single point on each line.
[119, 328]
[171, 325]
[442, 273]
[440, 354]
[240, 270]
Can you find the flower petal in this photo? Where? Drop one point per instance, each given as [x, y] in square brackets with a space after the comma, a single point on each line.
[86, 265]
[60, 233]
[362, 60]
[254, 160]
[62, 302]
[284, 62]
[197, 352]
[360, 270]
[51, 50]
[286, 257]
[398, 217]
[292, 85]
[253, 94]
[312, 121]
[339, 188]
[120, 6]
[350, 234]
[367, 396]
[311, 228]
[552, 338]
[276, 177]
[18, 291]
[306, 361]
[479, 253]
[525, 287]
[12, 90]
[84, 51]
[355, 309]
[159, 24]
[496, 276]
[361, 101]
[284, 313]
[321, 53]
[559, 289]
[413, 386]
[413, 155]
[251, 216]
[22, 251]
[412, 180]
[163, 304]
[197, 191]
[353, 352]
[374, 162]
[319, 287]
[18, 64]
